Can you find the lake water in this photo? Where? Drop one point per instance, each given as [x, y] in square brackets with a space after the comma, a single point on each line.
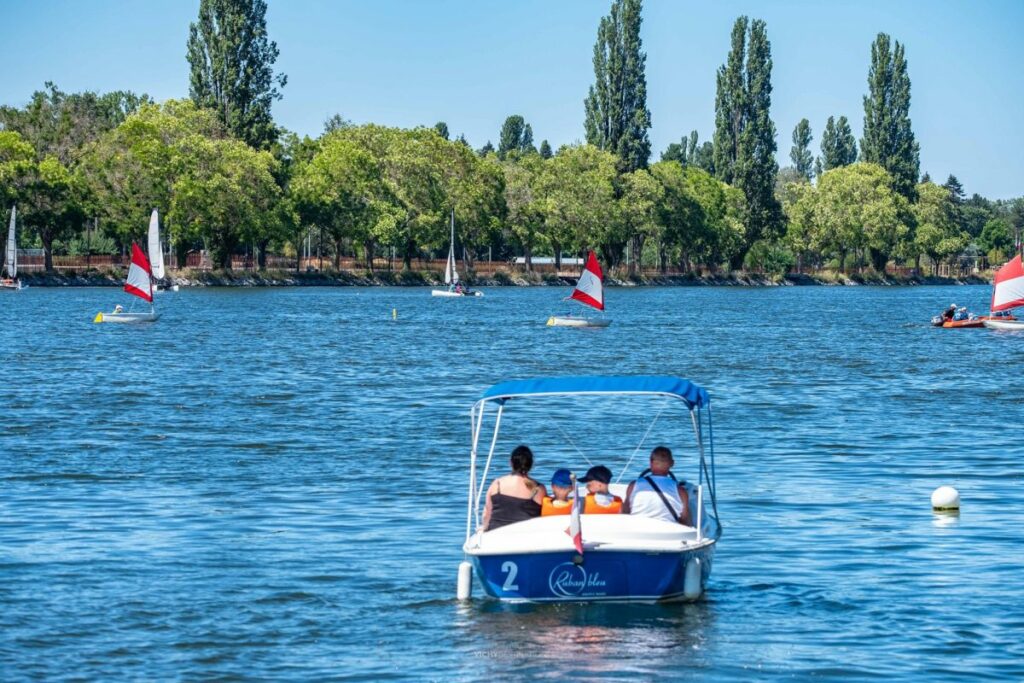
[271, 484]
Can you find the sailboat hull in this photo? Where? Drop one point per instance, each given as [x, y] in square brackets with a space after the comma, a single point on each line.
[143, 317]
[446, 293]
[1005, 324]
[15, 286]
[573, 321]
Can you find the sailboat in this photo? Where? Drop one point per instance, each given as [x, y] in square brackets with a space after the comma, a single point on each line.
[589, 291]
[156, 252]
[1007, 293]
[138, 283]
[10, 281]
[451, 276]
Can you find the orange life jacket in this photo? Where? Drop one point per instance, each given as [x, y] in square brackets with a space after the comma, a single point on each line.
[592, 507]
[550, 506]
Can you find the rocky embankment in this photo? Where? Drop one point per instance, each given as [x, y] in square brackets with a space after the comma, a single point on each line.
[281, 278]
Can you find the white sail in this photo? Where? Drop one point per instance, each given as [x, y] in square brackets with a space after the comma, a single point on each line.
[12, 247]
[156, 250]
[451, 276]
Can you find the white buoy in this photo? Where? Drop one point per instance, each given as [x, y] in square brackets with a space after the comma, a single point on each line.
[691, 580]
[465, 585]
[945, 498]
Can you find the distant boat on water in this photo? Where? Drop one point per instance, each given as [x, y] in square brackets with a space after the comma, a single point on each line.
[1007, 294]
[139, 283]
[589, 291]
[156, 253]
[451, 275]
[10, 280]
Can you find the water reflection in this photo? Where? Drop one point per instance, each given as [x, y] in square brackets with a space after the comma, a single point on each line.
[589, 639]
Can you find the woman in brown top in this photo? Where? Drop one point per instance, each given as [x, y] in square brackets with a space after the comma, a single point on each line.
[515, 497]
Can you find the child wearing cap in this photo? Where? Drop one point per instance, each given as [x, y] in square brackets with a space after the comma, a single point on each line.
[559, 503]
[599, 501]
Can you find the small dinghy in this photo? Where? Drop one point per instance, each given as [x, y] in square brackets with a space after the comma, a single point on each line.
[589, 291]
[1007, 294]
[10, 279]
[138, 283]
[581, 557]
[451, 275]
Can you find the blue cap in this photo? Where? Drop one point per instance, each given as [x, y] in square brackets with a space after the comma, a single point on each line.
[561, 478]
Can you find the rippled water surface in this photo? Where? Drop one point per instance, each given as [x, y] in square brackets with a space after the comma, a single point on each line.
[271, 484]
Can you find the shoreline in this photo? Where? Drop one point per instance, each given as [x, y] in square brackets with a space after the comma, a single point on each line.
[279, 278]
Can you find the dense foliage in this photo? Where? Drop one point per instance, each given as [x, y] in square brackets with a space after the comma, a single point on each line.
[86, 169]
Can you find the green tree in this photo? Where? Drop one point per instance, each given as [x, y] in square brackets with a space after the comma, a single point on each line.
[580, 208]
[59, 124]
[133, 169]
[888, 137]
[641, 194]
[53, 206]
[232, 67]
[731, 110]
[516, 137]
[857, 209]
[838, 146]
[937, 236]
[17, 168]
[442, 129]
[545, 149]
[744, 144]
[488, 148]
[997, 238]
[617, 118]
[525, 203]
[225, 195]
[336, 122]
[800, 153]
[341, 190]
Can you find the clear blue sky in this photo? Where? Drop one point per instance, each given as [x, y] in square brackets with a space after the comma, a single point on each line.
[473, 62]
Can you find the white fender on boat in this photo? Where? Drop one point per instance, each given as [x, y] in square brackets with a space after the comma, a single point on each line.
[945, 498]
[464, 589]
[691, 580]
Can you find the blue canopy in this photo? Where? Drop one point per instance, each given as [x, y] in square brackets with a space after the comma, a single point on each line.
[664, 385]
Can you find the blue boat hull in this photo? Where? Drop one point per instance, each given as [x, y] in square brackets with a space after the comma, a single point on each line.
[608, 575]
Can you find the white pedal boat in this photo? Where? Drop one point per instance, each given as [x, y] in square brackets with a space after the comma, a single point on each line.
[626, 558]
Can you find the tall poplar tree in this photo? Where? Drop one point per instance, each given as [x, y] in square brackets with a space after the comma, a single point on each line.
[744, 143]
[232, 63]
[800, 153]
[838, 146]
[888, 138]
[617, 118]
[730, 104]
[516, 136]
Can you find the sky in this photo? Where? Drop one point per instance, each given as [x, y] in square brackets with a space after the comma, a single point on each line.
[471, 63]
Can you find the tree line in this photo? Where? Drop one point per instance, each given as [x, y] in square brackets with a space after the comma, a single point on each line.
[85, 170]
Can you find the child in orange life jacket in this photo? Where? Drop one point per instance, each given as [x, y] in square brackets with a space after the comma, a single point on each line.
[559, 503]
[599, 500]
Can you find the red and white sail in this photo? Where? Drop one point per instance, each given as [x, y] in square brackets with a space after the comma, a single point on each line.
[140, 276]
[589, 289]
[1008, 286]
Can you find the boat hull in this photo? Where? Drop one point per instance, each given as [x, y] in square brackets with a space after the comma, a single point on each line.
[129, 318]
[16, 286]
[613, 575]
[454, 295]
[572, 321]
[1008, 325]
